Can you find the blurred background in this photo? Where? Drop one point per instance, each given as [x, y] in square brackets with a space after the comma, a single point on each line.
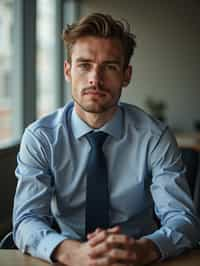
[166, 80]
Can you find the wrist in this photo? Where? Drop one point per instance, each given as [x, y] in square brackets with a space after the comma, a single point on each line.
[152, 252]
[64, 252]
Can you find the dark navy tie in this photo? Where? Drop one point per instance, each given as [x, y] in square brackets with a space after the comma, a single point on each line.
[97, 195]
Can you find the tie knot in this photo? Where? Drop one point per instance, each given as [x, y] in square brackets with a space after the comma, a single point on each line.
[96, 138]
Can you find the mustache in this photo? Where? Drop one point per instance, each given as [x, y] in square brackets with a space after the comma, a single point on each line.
[94, 88]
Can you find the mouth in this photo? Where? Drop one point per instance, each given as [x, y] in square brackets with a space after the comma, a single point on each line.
[94, 93]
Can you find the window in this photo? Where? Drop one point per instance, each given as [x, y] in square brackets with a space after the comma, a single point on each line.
[31, 62]
[6, 70]
[46, 56]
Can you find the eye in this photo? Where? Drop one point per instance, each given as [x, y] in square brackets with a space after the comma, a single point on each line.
[112, 67]
[84, 66]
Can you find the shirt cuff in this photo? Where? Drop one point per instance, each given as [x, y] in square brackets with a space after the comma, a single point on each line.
[48, 244]
[165, 246]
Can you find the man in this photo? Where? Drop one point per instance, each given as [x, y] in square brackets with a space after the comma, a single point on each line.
[144, 167]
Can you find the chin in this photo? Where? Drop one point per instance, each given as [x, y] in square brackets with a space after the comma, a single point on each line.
[94, 106]
[94, 110]
[97, 109]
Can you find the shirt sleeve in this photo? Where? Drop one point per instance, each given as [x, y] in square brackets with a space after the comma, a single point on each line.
[180, 228]
[32, 217]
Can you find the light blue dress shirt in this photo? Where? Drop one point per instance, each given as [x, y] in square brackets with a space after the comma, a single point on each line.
[146, 174]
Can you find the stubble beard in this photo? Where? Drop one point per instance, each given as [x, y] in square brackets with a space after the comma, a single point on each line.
[96, 108]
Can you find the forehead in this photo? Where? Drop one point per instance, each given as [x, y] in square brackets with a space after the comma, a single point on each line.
[97, 48]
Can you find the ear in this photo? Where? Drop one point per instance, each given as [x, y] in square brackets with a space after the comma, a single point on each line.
[67, 71]
[127, 76]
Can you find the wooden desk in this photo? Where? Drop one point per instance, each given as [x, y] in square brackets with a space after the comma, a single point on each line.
[16, 258]
[190, 258]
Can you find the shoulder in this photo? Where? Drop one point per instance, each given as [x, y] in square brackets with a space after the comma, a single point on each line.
[49, 126]
[139, 120]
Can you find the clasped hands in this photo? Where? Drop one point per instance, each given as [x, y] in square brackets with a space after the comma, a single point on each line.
[106, 248]
[110, 247]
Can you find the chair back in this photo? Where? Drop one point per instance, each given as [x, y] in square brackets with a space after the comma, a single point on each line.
[191, 160]
[7, 186]
[7, 242]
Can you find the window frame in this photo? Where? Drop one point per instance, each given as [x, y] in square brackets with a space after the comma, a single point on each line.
[24, 71]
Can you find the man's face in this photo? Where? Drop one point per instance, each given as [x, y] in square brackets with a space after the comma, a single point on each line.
[97, 74]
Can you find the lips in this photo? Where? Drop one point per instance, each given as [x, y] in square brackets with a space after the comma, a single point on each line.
[94, 92]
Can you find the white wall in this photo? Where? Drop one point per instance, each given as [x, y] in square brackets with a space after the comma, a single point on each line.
[167, 59]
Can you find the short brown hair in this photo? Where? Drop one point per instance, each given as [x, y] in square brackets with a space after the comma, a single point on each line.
[101, 25]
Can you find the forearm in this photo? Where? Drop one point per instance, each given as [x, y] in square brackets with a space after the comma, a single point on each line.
[175, 237]
[36, 238]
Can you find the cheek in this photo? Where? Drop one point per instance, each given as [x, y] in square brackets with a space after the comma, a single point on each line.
[79, 81]
[113, 81]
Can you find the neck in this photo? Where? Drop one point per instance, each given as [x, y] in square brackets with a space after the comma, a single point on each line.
[96, 120]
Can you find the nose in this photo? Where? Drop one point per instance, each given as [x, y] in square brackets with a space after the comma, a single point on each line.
[96, 77]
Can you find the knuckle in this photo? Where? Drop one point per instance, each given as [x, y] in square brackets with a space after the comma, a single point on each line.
[111, 238]
[113, 253]
[104, 234]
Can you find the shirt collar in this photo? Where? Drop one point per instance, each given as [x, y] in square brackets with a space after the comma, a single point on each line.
[112, 127]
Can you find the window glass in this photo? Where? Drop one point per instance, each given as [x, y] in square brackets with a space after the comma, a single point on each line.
[45, 68]
[6, 71]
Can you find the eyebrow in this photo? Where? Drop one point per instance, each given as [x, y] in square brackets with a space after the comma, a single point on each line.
[82, 59]
[115, 62]
[111, 61]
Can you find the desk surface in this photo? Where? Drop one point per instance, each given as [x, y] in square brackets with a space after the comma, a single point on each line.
[16, 258]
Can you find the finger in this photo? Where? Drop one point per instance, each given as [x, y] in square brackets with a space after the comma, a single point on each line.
[103, 261]
[98, 238]
[121, 264]
[91, 235]
[121, 255]
[106, 262]
[99, 250]
[114, 257]
[123, 241]
[114, 230]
